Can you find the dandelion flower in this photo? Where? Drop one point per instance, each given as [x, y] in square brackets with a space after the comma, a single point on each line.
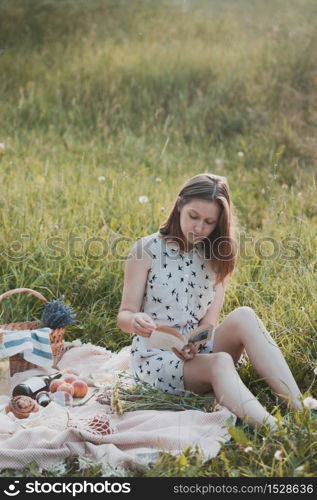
[182, 460]
[101, 178]
[310, 402]
[300, 468]
[143, 199]
[248, 449]
[158, 179]
[278, 455]
[241, 154]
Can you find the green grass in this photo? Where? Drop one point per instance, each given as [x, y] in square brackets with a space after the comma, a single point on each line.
[133, 92]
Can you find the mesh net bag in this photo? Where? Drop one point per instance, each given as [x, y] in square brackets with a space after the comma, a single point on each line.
[99, 424]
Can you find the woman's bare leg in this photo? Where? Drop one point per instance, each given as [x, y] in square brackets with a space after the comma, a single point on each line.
[243, 329]
[217, 371]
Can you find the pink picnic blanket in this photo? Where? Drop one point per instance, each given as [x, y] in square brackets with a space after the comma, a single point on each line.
[57, 432]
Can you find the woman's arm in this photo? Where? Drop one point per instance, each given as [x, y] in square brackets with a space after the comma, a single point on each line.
[211, 318]
[136, 270]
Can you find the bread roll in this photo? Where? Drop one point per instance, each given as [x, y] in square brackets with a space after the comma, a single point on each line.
[22, 406]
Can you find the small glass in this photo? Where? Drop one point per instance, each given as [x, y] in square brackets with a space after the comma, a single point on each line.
[62, 398]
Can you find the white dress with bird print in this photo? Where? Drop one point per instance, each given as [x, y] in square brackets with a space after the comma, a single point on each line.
[179, 290]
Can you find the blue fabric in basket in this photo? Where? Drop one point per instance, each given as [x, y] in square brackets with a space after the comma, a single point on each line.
[33, 345]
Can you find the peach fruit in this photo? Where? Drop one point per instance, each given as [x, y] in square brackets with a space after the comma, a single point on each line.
[80, 388]
[65, 387]
[55, 384]
[69, 378]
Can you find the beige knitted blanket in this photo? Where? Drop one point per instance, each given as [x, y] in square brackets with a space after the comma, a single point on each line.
[57, 432]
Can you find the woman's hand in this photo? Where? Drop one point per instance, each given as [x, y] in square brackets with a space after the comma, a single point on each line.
[142, 324]
[189, 353]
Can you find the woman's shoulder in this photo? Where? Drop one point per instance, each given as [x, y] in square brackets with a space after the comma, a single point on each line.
[150, 239]
[146, 244]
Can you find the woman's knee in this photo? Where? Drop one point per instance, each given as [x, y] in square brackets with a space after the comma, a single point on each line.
[241, 315]
[221, 361]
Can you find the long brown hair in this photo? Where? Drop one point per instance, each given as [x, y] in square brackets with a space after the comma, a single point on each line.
[220, 246]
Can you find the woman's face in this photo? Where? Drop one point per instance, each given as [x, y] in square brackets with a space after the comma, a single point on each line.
[198, 218]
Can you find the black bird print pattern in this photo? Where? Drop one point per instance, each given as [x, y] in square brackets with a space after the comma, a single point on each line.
[178, 292]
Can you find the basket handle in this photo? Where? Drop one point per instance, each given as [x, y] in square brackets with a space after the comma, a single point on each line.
[23, 290]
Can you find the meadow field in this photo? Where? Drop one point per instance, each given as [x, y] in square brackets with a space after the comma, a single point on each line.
[107, 107]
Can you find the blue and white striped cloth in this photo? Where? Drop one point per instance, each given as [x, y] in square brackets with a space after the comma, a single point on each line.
[33, 345]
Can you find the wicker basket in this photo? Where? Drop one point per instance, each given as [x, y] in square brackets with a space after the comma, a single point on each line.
[17, 362]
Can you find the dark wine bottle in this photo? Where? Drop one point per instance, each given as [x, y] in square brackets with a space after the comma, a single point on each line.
[35, 384]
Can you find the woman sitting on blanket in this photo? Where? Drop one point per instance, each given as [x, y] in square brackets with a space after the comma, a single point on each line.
[178, 277]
